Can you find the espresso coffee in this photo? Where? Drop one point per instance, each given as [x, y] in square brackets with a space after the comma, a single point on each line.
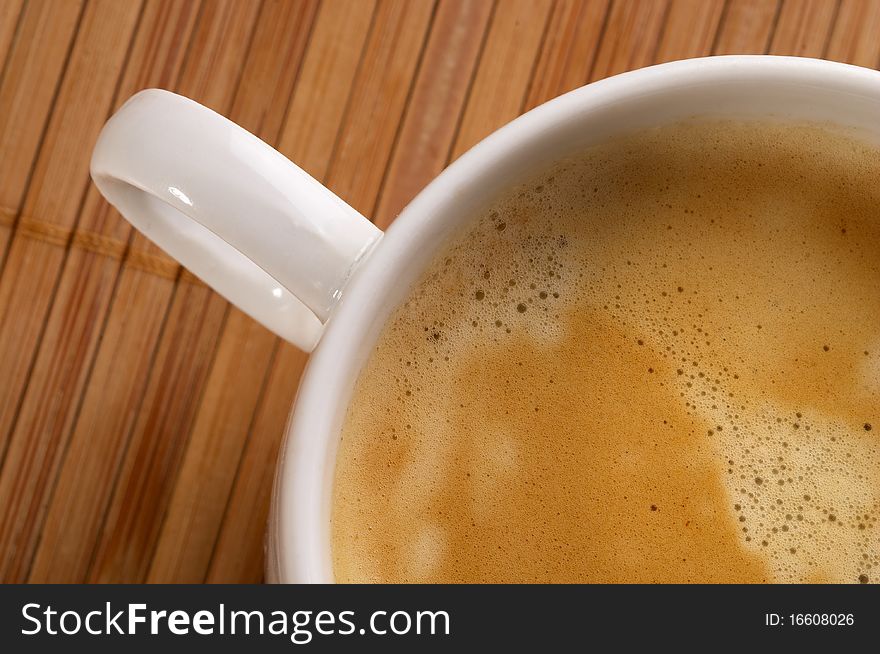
[659, 361]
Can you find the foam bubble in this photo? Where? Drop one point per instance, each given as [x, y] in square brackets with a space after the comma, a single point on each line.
[657, 361]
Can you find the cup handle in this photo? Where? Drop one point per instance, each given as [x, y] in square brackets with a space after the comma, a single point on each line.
[237, 213]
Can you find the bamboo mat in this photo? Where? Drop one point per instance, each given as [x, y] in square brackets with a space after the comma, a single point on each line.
[140, 415]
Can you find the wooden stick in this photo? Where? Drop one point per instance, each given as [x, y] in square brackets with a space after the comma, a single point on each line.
[69, 346]
[569, 51]
[33, 265]
[691, 28]
[804, 28]
[34, 64]
[10, 12]
[854, 40]
[501, 84]
[428, 127]
[747, 27]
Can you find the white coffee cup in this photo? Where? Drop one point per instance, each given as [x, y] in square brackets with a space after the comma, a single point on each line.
[298, 259]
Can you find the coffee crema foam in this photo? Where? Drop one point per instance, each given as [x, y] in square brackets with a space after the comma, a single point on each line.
[657, 362]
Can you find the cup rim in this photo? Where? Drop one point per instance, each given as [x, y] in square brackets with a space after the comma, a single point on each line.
[298, 549]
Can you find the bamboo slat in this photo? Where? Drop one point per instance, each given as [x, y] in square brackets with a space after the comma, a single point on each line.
[570, 48]
[68, 346]
[239, 551]
[631, 38]
[691, 29]
[10, 12]
[140, 415]
[36, 255]
[31, 73]
[513, 44]
[426, 131]
[804, 28]
[747, 27]
[377, 100]
[854, 39]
